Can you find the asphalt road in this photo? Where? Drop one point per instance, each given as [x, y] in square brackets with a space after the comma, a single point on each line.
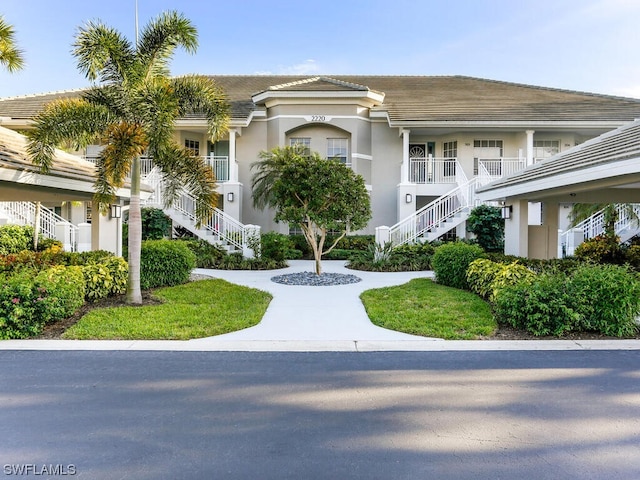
[395, 415]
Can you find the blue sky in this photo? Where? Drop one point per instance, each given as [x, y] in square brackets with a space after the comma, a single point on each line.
[585, 45]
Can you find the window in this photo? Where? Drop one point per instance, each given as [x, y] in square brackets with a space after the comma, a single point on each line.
[450, 149]
[544, 149]
[304, 141]
[450, 153]
[193, 145]
[338, 149]
[487, 150]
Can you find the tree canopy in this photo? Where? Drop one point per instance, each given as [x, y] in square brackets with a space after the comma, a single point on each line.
[315, 194]
[10, 55]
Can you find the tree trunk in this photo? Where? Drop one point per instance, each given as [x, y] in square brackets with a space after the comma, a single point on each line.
[134, 294]
[36, 227]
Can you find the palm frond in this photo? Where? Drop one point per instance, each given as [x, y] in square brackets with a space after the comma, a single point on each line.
[157, 108]
[103, 53]
[200, 95]
[10, 55]
[184, 170]
[159, 40]
[66, 120]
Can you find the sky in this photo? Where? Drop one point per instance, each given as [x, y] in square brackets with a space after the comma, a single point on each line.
[583, 45]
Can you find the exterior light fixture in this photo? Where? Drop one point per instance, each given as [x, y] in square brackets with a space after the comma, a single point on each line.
[115, 210]
[505, 211]
[408, 198]
[230, 197]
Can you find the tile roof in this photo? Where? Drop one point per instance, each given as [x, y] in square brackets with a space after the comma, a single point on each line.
[13, 155]
[412, 98]
[617, 145]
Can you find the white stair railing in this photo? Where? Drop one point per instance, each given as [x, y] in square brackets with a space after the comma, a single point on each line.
[432, 216]
[220, 225]
[52, 225]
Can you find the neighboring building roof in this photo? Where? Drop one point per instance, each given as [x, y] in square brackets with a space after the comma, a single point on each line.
[13, 155]
[410, 99]
[619, 146]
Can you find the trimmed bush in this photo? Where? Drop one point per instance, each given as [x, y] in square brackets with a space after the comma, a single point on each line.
[15, 238]
[542, 307]
[207, 255]
[164, 263]
[278, 247]
[607, 298]
[119, 271]
[63, 289]
[405, 258]
[487, 224]
[511, 274]
[480, 276]
[601, 249]
[155, 224]
[451, 260]
[98, 281]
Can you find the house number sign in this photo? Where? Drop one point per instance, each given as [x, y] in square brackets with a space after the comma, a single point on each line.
[317, 118]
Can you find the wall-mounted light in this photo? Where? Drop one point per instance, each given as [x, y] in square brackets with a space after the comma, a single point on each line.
[230, 197]
[408, 198]
[115, 210]
[505, 211]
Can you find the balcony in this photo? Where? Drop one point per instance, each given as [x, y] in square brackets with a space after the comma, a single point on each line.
[219, 165]
[495, 168]
[431, 170]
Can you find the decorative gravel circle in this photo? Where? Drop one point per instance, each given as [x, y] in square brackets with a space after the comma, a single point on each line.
[312, 280]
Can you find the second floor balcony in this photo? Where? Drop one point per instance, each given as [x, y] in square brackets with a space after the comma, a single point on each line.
[440, 171]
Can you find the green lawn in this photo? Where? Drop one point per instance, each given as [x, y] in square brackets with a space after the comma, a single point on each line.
[194, 310]
[423, 307]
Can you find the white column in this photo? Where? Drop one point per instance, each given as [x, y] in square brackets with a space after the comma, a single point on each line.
[233, 166]
[404, 173]
[530, 146]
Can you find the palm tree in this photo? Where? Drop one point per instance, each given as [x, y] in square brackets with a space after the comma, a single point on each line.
[131, 109]
[582, 211]
[10, 55]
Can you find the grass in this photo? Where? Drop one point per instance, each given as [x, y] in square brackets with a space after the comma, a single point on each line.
[423, 307]
[193, 310]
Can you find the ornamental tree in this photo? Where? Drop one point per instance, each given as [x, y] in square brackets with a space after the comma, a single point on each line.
[316, 194]
[486, 223]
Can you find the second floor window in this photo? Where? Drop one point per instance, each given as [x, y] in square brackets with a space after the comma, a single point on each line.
[193, 145]
[545, 148]
[304, 142]
[338, 149]
[450, 149]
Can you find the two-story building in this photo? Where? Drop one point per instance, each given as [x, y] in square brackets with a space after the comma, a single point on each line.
[422, 143]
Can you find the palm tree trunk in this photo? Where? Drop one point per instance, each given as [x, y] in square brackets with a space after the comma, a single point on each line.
[134, 294]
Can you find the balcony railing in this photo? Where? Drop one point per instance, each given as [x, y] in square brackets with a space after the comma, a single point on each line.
[426, 170]
[219, 165]
[490, 169]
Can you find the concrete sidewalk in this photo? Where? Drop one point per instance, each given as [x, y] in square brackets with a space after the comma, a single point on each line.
[326, 318]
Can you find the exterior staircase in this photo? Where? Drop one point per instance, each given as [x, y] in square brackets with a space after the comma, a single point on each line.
[626, 227]
[51, 224]
[221, 229]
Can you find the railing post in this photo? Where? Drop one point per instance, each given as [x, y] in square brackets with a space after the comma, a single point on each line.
[383, 235]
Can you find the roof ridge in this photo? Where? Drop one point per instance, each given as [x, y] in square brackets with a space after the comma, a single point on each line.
[42, 94]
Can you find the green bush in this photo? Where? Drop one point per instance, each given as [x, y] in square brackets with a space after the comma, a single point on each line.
[601, 249]
[98, 281]
[451, 260]
[119, 271]
[207, 254]
[155, 224]
[15, 238]
[487, 224]
[28, 301]
[511, 274]
[480, 276]
[607, 298]
[542, 307]
[632, 257]
[277, 246]
[165, 263]
[404, 258]
[63, 290]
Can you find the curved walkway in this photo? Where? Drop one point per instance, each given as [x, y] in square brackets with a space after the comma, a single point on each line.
[307, 319]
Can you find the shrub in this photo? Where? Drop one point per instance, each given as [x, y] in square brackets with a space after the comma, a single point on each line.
[511, 274]
[607, 298]
[487, 224]
[480, 276]
[632, 256]
[601, 249]
[277, 246]
[542, 307]
[165, 263]
[119, 271]
[15, 238]
[451, 260]
[98, 281]
[404, 258]
[155, 224]
[207, 254]
[63, 289]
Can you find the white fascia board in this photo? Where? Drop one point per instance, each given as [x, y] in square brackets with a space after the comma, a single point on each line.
[566, 179]
[507, 124]
[274, 95]
[25, 177]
